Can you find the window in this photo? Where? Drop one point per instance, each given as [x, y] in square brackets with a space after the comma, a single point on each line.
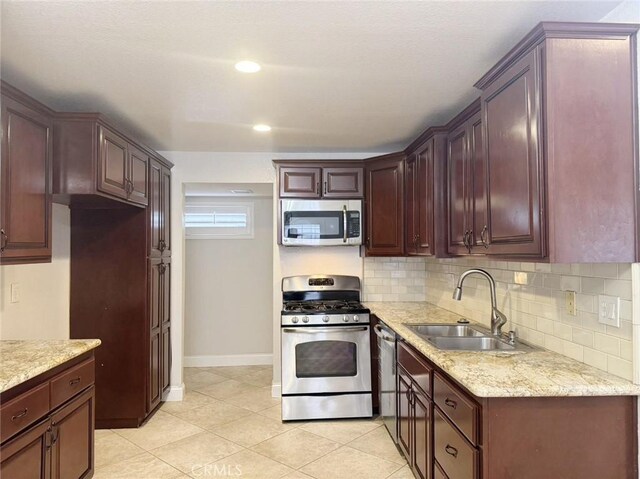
[218, 220]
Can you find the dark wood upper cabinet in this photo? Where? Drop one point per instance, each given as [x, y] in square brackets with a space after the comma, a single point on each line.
[466, 202]
[384, 193]
[342, 182]
[511, 115]
[94, 161]
[420, 200]
[559, 115]
[317, 179]
[25, 212]
[300, 182]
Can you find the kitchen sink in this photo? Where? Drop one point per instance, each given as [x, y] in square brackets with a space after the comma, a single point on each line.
[448, 330]
[471, 344]
[465, 337]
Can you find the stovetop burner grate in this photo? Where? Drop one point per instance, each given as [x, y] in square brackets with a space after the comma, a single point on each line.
[322, 306]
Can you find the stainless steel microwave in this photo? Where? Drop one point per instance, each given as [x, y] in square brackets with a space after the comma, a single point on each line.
[321, 222]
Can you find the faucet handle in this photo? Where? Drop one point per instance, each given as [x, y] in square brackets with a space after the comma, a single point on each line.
[511, 336]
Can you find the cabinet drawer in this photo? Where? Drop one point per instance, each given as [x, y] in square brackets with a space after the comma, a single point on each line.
[457, 458]
[418, 369]
[23, 411]
[71, 382]
[460, 409]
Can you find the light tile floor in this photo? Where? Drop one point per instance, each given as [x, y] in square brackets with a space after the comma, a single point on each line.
[230, 426]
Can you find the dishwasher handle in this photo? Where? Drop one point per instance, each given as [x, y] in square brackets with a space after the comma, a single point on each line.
[381, 333]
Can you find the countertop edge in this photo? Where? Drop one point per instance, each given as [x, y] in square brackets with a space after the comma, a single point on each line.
[610, 386]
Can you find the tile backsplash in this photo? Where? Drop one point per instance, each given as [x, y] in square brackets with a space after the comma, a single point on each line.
[532, 295]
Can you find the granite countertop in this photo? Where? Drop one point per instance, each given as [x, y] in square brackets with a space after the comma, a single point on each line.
[26, 359]
[538, 373]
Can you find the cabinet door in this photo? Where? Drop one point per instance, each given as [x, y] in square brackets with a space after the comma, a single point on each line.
[424, 200]
[165, 212]
[156, 269]
[422, 462]
[458, 179]
[27, 456]
[404, 414]
[511, 117]
[299, 182]
[113, 164]
[25, 212]
[72, 452]
[166, 358]
[154, 210]
[385, 206]
[138, 176]
[478, 181]
[342, 182]
[411, 205]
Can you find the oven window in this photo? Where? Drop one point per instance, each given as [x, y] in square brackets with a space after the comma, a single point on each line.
[313, 224]
[322, 359]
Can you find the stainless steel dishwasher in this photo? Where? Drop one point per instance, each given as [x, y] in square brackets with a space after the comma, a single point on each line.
[387, 377]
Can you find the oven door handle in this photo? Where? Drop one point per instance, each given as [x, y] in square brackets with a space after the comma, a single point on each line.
[344, 223]
[381, 334]
[312, 330]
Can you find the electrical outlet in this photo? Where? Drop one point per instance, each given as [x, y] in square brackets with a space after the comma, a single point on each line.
[15, 292]
[609, 310]
[570, 303]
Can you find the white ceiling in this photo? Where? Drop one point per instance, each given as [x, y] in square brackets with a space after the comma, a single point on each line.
[337, 76]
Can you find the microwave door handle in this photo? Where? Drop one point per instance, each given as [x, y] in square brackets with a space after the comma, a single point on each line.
[344, 223]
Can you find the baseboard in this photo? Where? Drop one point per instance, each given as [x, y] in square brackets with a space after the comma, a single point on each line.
[229, 360]
[276, 390]
[176, 393]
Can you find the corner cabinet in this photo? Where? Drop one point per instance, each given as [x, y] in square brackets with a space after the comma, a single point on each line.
[26, 172]
[47, 429]
[384, 198]
[120, 235]
[95, 160]
[558, 186]
[445, 432]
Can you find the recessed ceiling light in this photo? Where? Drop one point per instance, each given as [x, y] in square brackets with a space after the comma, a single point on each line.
[247, 66]
[262, 128]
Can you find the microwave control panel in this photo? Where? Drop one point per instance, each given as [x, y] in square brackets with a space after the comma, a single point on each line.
[353, 224]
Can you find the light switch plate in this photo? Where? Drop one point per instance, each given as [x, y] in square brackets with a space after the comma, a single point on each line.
[15, 292]
[609, 310]
[570, 303]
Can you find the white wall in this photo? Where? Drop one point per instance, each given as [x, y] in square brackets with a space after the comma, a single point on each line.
[228, 298]
[43, 310]
[210, 167]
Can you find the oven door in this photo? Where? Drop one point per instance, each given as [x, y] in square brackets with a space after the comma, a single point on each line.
[331, 359]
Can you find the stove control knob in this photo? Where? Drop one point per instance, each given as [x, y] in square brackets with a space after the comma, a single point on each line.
[294, 319]
[345, 318]
[325, 319]
[305, 319]
[356, 318]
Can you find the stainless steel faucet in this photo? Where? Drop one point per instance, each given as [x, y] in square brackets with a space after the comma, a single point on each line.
[498, 319]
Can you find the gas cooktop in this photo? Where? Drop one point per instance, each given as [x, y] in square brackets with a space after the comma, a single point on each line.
[323, 307]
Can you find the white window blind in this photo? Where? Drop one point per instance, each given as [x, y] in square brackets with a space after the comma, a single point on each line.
[218, 221]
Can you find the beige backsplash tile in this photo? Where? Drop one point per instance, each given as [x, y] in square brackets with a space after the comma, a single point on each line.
[530, 294]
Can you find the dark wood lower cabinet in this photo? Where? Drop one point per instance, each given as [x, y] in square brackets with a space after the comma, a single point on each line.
[452, 434]
[60, 444]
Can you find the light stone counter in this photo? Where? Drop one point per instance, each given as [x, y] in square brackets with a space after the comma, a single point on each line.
[23, 360]
[538, 373]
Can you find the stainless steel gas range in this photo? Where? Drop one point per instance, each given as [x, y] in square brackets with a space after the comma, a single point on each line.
[326, 362]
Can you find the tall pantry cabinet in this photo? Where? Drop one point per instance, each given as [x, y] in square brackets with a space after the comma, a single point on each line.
[119, 195]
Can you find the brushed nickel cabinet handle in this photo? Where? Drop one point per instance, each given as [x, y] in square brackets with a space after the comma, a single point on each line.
[22, 413]
[325, 187]
[470, 241]
[483, 234]
[452, 451]
[465, 239]
[451, 403]
[3, 240]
